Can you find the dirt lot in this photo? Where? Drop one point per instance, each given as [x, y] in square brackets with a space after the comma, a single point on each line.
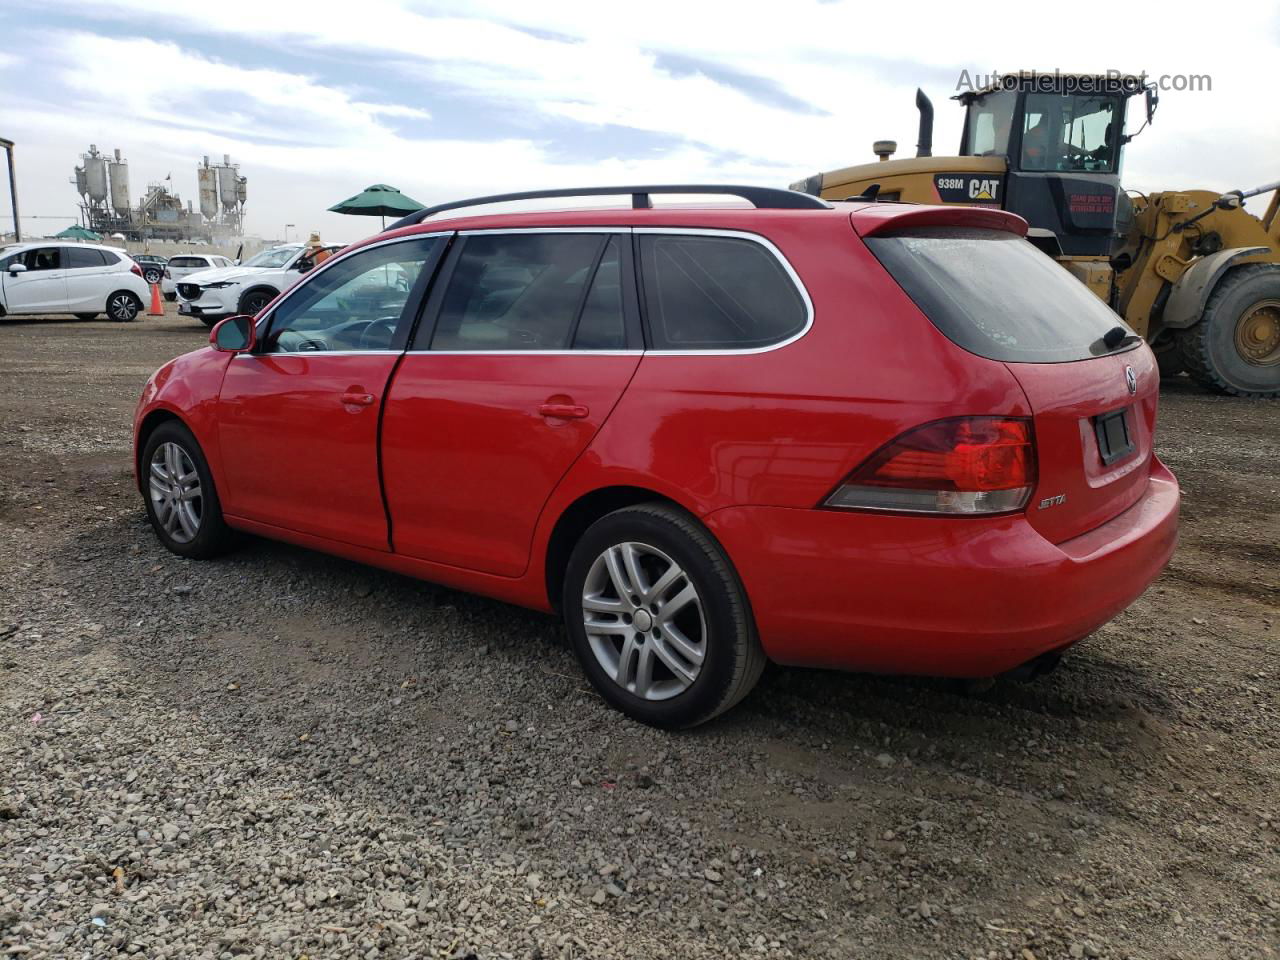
[282, 754]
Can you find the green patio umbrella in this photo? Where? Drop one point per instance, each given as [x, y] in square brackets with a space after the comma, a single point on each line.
[77, 232]
[379, 200]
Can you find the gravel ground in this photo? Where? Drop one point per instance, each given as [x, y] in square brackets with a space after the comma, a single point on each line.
[282, 754]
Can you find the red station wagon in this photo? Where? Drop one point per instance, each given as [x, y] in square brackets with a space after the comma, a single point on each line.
[869, 436]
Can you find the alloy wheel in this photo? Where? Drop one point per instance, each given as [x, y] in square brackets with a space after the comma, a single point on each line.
[123, 307]
[644, 621]
[175, 492]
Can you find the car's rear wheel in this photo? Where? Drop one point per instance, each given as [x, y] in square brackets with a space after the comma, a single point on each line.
[171, 297]
[151, 275]
[658, 618]
[123, 306]
[182, 502]
[86, 316]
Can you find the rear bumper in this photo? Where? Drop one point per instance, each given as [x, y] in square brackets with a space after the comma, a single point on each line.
[961, 597]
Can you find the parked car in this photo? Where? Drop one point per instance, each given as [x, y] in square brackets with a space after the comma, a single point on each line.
[83, 279]
[876, 437]
[152, 266]
[184, 265]
[211, 295]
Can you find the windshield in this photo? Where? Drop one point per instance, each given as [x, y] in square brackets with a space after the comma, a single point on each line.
[989, 122]
[996, 295]
[1070, 133]
[275, 257]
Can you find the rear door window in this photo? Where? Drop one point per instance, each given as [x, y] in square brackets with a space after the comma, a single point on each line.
[717, 293]
[533, 291]
[996, 295]
[83, 257]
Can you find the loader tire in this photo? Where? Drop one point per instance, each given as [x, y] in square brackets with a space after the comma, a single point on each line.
[1235, 347]
[1168, 358]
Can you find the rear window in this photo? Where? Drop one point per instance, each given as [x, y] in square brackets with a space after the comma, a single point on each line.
[717, 293]
[996, 295]
[188, 262]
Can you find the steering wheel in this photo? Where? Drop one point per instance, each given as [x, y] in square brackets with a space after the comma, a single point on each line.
[385, 327]
[290, 341]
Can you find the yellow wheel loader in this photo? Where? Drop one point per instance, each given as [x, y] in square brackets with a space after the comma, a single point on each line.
[1189, 270]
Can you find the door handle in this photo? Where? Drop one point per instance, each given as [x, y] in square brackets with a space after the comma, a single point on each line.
[357, 399]
[564, 411]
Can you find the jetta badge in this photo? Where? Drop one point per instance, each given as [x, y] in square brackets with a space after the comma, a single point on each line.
[1131, 380]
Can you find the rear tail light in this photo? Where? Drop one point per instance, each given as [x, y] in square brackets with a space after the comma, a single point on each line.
[135, 269]
[969, 465]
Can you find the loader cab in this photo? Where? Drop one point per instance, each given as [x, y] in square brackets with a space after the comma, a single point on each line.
[1062, 137]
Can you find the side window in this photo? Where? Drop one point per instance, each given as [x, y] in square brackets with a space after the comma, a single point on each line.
[526, 291]
[601, 326]
[352, 305]
[84, 257]
[43, 258]
[717, 293]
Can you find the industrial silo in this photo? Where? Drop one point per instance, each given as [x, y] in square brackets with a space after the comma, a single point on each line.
[95, 175]
[227, 188]
[119, 185]
[207, 179]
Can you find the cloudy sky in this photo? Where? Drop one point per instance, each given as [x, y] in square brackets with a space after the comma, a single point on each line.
[445, 99]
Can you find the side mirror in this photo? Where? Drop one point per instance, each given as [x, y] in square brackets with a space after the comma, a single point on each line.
[1153, 101]
[17, 268]
[303, 265]
[234, 335]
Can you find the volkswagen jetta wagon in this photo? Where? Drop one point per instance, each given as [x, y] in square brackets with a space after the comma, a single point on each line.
[859, 435]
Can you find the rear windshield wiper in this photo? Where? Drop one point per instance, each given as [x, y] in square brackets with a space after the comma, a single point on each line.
[1113, 340]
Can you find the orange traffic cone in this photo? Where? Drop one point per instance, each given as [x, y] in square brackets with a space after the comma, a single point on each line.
[157, 308]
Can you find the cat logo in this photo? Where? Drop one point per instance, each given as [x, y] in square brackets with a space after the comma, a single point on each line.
[967, 188]
[983, 189]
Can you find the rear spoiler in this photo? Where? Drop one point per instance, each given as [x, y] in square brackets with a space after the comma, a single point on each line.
[871, 220]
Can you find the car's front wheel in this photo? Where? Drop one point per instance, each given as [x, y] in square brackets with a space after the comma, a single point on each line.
[171, 297]
[255, 300]
[658, 617]
[123, 306]
[182, 502]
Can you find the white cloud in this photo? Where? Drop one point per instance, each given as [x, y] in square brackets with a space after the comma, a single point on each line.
[305, 141]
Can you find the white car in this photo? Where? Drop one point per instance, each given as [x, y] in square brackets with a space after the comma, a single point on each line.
[83, 279]
[183, 265]
[211, 295]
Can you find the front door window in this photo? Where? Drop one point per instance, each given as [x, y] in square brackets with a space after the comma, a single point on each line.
[355, 304]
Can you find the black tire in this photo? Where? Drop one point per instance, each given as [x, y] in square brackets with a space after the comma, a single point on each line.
[86, 316]
[255, 300]
[212, 536]
[152, 275]
[123, 306]
[209, 321]
[171, 297]
[732, 655]
[1168, 358]
[1209, 349]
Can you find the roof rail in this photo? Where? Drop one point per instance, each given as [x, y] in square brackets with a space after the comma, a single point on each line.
[763, 198]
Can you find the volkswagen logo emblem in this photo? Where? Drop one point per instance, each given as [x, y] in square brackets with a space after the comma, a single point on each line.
[1131, 380]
